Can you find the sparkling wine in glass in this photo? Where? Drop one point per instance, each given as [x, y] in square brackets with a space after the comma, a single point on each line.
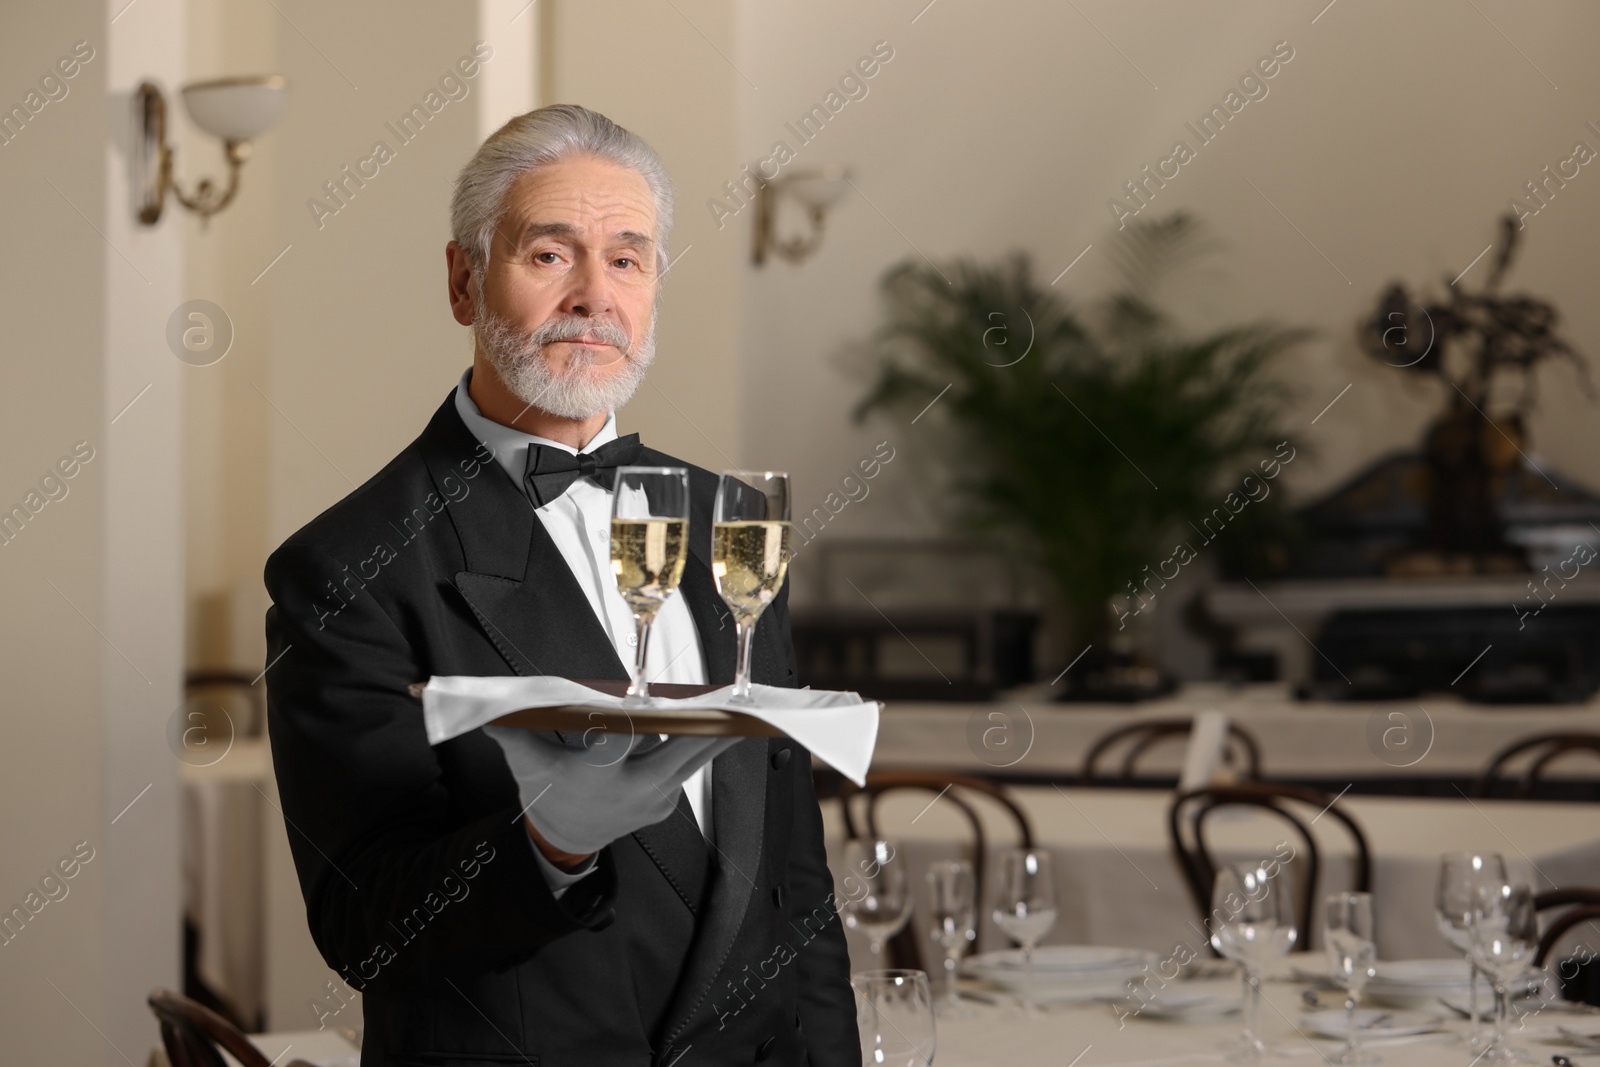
[877, 893]
[1252, 922]
[894, 1017]
[1505, 935]
[954, 913]
[1460, 874]
[649, 544]
[749, 553]
[1348, 940]
[1026, 907]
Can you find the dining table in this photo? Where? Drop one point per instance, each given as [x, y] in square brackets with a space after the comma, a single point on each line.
[1113, 1033]
[1118, 881]
[1025, 734]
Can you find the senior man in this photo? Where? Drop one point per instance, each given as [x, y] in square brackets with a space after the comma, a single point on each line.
[509, 896]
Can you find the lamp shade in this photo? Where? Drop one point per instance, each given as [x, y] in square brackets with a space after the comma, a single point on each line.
[236, 109]
[818, 189]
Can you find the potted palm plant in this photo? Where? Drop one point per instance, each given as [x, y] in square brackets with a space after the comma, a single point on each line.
[1084, 438]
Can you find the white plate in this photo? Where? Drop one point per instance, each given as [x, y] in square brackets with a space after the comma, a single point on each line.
[1062, 961]
[1578, 1037]
[1432, 974]
[1371, 1023]
[1193, 1000]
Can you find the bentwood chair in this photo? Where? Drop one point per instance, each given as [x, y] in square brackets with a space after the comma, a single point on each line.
[905, 948]
[1541, 750]
[1186, 822]
[1583, 906]
[1140, 737]
[193, 1034]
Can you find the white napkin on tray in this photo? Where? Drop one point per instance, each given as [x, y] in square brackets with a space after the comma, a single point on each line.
[838, 728]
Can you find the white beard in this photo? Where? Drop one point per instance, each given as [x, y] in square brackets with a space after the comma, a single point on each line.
[574, 392]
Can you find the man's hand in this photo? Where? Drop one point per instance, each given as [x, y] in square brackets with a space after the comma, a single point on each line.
[580, 799]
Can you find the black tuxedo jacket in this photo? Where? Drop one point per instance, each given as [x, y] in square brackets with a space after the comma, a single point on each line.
[420, 881]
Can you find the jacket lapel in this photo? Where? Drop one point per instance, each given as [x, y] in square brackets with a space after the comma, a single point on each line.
[520, 590]
[739, 810]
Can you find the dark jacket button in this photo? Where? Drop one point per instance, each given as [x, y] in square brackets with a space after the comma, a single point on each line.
[777, 896]
[764, 1049]
[780, 759]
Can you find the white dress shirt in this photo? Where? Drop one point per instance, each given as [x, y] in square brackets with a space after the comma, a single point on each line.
[579, 522]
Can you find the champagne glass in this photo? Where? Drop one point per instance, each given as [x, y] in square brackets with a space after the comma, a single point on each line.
[955, 913]
[749, 553]
[1252, 922]
[1347, 937]
[894, 1017]
[1026, 907]
[1459, 876]
[1505, 934]
[649, 544]
[877, 893]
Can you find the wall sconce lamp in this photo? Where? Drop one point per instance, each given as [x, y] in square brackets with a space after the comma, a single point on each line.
[815, 190]
[234, 110]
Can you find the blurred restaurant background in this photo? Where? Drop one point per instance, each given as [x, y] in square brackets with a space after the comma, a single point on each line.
[1222, 375]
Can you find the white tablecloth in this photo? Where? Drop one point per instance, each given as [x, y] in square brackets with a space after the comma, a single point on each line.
[1118, 883]
[1035, 736]
[1103, 1035]
[1096, 1035]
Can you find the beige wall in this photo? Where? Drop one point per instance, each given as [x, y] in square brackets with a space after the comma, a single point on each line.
[1393, 140]
[93, 583]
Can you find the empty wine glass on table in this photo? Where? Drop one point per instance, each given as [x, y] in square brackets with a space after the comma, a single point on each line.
[749, 553]
[1026, 907]
[954, 912]
[649, 544]
[1505, 935]
[877, 893]
[1252, 911]
[1347, 937]
[1460, 874]
[894, 1017]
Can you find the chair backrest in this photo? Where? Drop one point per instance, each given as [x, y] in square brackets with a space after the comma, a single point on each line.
[1186, 821]
[905, 948]
[1544, 748]
[192, 1034]
[1142, 736]
[1583, 906]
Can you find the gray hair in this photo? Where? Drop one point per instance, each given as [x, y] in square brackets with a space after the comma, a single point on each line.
[533, 140]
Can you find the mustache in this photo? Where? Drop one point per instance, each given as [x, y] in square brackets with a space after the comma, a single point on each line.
[568, 328]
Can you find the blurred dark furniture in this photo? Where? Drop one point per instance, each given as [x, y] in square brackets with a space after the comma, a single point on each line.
[912, 619]
[1186, 819]
[905, 948]
[1579, 976]
[1242, 748]
[1542, 750]
[192, 1034]
[1488, 655]
[838, 648]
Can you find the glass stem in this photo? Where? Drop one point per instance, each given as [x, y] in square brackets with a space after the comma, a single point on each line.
[950, 995]
[1350, 1027]
[638, 687]
[1027, 956]
[741, 678]
[1477, 1018]
[1252, 1003]
[1502, 1012]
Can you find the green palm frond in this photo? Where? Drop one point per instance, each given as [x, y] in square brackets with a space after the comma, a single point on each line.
[1102, 436]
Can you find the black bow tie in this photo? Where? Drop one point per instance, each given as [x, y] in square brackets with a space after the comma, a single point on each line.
[551, 470]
